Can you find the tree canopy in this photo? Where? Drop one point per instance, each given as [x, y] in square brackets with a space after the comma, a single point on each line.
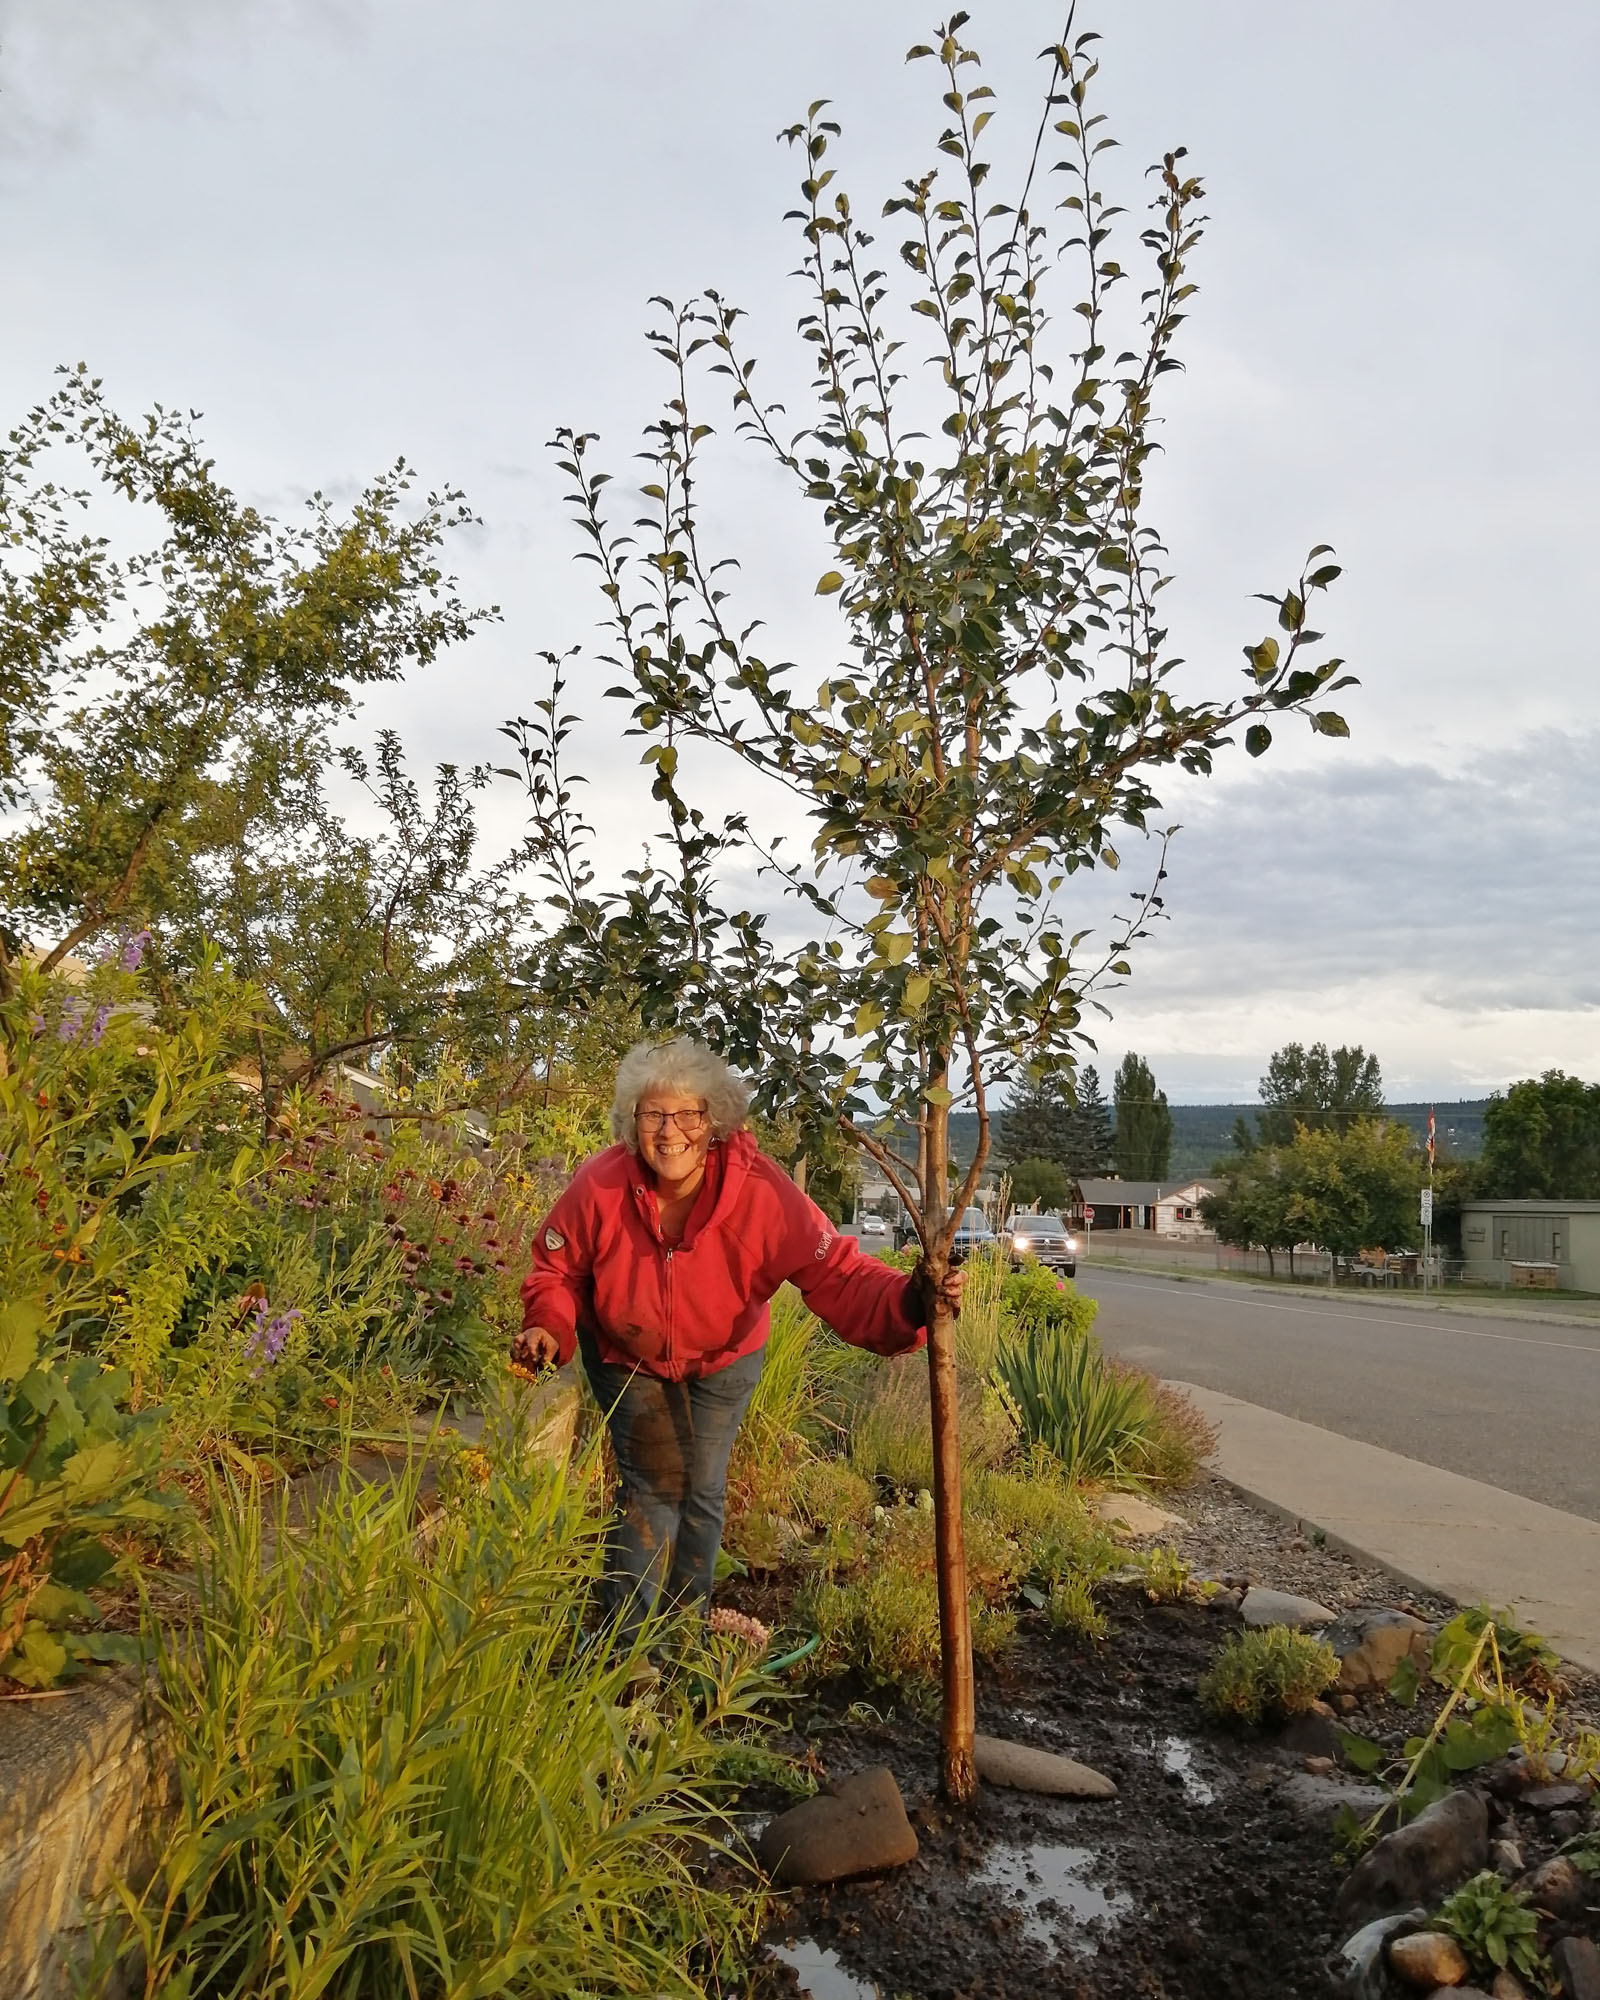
[1322, 1089]
[1541, 1140]
[1144, 1123]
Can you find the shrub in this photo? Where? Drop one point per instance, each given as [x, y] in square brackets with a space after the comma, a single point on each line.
[874, 1600]
[403, 1770]
[1099, 1422]
[830, 1492]
[886, 1416]
[1495, 1926]
[1267, 1674]
[1032, 1297]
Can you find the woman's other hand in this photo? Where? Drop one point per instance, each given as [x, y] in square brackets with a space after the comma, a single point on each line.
[534, 1348]
[950, 1291]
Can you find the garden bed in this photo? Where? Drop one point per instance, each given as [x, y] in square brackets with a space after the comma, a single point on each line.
[1205, 1876]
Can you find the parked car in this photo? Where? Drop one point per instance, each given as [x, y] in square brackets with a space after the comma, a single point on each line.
[1046, 1237]
[972, 1233]
[872, 1227]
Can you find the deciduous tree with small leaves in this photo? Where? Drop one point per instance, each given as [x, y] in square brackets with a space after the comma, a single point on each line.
[1004, 698]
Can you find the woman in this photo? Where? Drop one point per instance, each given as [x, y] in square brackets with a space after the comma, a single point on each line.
[657, 1263]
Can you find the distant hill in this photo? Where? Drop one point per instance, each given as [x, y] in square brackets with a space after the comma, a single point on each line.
[1203, 1133]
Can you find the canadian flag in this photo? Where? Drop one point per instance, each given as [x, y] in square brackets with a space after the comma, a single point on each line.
[1430, 1135]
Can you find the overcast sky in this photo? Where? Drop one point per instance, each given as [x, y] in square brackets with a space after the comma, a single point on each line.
[346, 229]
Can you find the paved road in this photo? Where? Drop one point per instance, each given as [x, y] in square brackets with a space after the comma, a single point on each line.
[1506, 1401]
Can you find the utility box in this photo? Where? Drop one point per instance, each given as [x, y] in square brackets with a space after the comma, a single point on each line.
[1536, 1277]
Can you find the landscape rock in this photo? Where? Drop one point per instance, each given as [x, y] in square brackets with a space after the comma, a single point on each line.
[1360, 1958]
[1559, 1886]
[1132, 1519]
[1022, 1768]
[1282, 1607]
[1565, 1826]
[1436, 1852]
[1505, 1858]
[1313, 1797]
[856, 1827]
[1577, 1964]
[1371, 1644]
[1428, 1960]
[1555, 1798]
[1507, 1986]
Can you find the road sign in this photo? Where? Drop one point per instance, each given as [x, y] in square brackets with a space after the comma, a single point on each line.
[1427, 1208]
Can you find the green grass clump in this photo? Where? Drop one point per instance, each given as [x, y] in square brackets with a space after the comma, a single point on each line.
[829, 1492]
[1267, 1674]
[403, 1770]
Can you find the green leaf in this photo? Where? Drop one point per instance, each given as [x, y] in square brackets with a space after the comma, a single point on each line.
[1404, 1683]
[937, 1094]
[917, 989]
[896, 946]
[1360, 1752]
[829, 583]
[1326, 723]
[1257, 738]
[867, 1018]
[19, 1338]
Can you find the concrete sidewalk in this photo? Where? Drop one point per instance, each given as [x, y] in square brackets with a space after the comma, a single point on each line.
[1435, 1530]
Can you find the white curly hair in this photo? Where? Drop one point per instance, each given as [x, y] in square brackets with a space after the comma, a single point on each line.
[679, 1065]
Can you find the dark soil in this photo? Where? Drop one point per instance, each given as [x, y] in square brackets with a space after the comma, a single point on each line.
[1214, 1887]
[1199, 1881]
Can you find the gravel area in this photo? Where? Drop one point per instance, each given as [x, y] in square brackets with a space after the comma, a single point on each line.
[1229, 1537]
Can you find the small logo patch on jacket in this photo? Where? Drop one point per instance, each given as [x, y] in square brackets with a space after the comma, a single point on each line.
[554, 1240]
[823, 1241]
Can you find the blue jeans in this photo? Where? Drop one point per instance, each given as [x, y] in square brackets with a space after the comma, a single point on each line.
[672, 1442]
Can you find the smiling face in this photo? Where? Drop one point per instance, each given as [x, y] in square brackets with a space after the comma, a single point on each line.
[675, 1155]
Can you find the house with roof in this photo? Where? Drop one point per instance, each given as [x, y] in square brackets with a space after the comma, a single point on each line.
[1162, 1208]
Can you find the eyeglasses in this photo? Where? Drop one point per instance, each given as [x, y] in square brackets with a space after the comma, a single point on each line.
[658, 1121]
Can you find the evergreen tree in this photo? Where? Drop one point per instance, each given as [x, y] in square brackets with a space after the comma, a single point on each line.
[1036, 1122]
[1144, 1124]
[1091, 1143]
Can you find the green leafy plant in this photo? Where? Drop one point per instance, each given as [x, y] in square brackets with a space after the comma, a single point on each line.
[1099, 1422]
[1167, 1579]
[404, 1769]
[1495, 1926]
[75, 1468]
[1071, 1607]
[1527, 1659]
[1267, 1674]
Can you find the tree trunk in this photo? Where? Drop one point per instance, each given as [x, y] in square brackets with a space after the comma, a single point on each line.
[958, 1772]
[798, 1172]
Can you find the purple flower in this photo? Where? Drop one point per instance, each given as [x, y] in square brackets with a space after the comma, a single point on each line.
[133, 951]
[270, 1332]
[97, 1027]
[71, 1021]
[36, 1024]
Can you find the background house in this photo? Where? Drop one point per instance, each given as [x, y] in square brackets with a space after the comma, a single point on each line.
[1162, 1208]
[1526, 1242]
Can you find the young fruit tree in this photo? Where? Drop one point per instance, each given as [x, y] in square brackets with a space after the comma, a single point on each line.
[1003, 699]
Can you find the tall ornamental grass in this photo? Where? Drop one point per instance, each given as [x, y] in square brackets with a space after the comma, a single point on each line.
[404, 1772]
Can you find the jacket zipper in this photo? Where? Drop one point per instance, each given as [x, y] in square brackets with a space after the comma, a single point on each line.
[667, 1303]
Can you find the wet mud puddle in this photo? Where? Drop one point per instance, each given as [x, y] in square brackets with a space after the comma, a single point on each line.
[820, 1973]
[1049, 1887]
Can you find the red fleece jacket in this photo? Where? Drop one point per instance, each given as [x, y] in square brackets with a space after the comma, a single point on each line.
[599, 1264]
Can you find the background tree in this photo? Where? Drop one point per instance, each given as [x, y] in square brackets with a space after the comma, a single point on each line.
[1313, 1087]
[1541, 1140]
[1041, 1183]
[154, 702]
[1035, 1122]
[1005, 702]
[1091, 1142]
[1144, 1124]
[1253, 1209]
